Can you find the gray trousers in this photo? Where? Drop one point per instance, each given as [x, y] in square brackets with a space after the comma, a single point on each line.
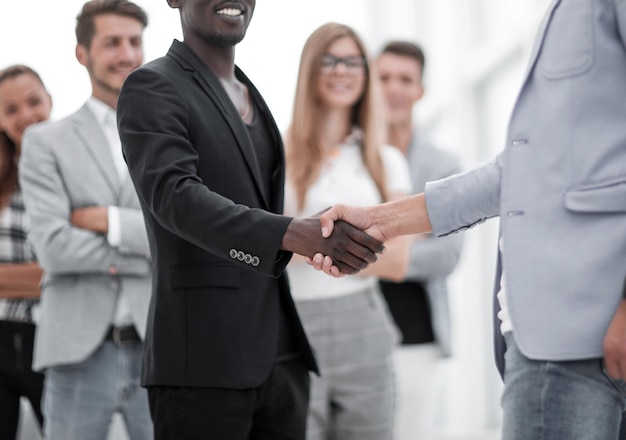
[353, 337]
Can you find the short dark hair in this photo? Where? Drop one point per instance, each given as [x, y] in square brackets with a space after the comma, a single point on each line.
[85, 27]
[407, 49]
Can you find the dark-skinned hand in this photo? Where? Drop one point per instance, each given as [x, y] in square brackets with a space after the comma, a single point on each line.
[350, 249]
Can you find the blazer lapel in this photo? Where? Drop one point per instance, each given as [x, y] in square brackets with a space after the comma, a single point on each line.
[89, 131]
[537, 47]
[540, 36]
[277, 186]
[213, 88]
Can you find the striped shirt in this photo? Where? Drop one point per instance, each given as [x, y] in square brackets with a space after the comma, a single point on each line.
[15, 248]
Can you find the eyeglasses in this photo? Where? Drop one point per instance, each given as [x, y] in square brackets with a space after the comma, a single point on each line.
[354, 64]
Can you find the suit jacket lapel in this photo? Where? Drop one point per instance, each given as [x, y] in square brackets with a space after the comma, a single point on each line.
[89, 131]
[540, 36]
[213, 88]
[278, 177]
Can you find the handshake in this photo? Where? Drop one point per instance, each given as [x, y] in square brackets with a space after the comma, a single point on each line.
[351, 237]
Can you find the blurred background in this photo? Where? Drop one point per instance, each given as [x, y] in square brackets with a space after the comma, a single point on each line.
[476, 54]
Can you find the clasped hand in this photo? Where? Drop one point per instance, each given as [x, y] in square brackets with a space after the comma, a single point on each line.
[347, 248]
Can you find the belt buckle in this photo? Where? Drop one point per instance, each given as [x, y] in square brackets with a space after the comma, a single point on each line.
[117, 336]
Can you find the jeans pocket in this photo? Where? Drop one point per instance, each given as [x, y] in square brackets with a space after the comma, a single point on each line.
[618, 384]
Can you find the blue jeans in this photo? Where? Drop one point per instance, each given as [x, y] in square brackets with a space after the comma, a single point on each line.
[80, 399]
[569, 400]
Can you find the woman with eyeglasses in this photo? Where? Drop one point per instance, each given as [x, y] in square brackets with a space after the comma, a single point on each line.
[23, 101]
[335, 153]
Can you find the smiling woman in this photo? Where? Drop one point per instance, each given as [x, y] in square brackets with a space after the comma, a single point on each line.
[23, 101]
[336, 153]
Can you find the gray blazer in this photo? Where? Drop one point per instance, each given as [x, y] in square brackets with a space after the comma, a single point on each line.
[66, 165]
[559, 185]
[433, 259]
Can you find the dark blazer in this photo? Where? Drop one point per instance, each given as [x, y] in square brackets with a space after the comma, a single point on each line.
[214, 232]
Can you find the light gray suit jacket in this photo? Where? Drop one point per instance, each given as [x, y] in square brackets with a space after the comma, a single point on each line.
[66, 165]
[559, 185]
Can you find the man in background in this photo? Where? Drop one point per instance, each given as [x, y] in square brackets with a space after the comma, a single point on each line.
[419, 303]
[90, 239]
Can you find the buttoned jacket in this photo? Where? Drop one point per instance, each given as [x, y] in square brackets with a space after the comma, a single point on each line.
[559, 185]
[214, 231]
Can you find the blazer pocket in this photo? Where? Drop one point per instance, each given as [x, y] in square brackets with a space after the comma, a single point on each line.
[567, 48]
[608, 197]
[193, 276]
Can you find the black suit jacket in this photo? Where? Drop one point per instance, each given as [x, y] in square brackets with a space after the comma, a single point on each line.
[214, 233]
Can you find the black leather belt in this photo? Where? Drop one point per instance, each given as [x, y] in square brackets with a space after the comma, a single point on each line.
[126, 335]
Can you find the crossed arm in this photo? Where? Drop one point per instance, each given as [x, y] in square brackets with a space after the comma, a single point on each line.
[64, 242]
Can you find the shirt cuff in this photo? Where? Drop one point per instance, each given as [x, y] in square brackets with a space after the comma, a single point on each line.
[624, 289]
[114, 236]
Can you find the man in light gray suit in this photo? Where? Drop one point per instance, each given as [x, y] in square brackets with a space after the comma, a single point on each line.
[89, 236]
[559, 188]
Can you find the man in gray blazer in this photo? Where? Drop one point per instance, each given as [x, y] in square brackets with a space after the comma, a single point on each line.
[559, 188]
[90, 238]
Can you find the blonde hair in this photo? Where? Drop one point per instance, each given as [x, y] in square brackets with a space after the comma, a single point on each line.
[302, 139]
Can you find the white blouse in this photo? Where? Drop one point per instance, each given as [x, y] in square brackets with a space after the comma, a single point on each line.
[343, 179]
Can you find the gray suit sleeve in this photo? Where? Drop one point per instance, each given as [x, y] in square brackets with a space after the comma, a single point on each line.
[466, 199]
[62, 248]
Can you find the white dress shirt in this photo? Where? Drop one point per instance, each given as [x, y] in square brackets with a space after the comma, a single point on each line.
[107, 119]
[343, 179]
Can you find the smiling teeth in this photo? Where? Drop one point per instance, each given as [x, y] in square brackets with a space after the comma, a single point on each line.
[231, 12]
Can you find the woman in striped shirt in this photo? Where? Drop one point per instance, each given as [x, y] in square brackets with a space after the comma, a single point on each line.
[23, 101]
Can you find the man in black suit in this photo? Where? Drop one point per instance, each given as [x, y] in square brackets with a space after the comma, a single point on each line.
[225, 355]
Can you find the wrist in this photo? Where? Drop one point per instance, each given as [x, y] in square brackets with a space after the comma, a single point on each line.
[286, 241]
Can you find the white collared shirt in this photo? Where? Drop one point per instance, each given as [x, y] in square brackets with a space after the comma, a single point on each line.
[107, 120]
[505, 325]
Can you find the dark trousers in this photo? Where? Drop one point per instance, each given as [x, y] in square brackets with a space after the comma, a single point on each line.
[17, 379]
[275, 410]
